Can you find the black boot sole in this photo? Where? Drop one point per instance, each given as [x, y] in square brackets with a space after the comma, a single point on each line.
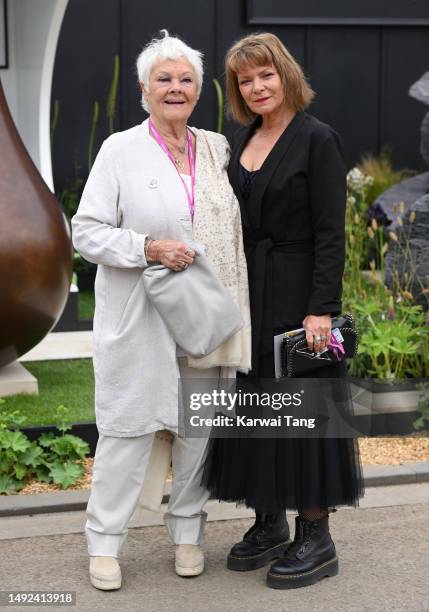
[295, 581]
[246, 564]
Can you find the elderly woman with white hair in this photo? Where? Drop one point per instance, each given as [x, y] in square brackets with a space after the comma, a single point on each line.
[155, 192]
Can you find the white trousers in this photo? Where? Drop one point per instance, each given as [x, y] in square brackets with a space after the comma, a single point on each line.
[118, 474]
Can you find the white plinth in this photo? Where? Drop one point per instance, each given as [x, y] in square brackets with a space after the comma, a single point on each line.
[61, 345]
[14, 379]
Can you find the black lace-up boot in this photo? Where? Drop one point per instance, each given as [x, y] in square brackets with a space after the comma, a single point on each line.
[310, 557]
[266, 540]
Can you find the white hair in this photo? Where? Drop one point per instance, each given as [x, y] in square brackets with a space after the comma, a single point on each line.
[168, 47]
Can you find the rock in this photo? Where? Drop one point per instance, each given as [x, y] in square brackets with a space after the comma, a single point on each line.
[424, 141]
[409, 257]
[408, 191]
[420, 89]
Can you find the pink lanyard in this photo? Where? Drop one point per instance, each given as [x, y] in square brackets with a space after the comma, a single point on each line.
[160, 141]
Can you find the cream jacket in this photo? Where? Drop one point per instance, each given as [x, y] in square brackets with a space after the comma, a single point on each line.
[134, 191]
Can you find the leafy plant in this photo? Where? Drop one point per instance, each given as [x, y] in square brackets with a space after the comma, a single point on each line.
[394, 329]
[50, 458]
[11, 420]
[392, 348]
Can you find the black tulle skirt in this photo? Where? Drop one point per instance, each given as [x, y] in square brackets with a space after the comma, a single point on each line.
[271, 475]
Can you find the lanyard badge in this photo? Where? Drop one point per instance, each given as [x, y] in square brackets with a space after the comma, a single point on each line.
[162, 144]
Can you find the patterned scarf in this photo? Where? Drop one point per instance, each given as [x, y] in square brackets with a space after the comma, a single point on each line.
[217, 225]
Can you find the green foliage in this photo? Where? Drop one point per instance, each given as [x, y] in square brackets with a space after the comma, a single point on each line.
[394, 335]
[70, 195]
[112, 96]
[66, 474]
[394, 330]
[69, 382]
[54, 119]
[62, 420]
[51, 458]
[9, 486]
[11, 420]
[80, 264]
[392, 349]
[86, 305]
[94, 123]
[381, 170]
[14, 441]
[219, 98]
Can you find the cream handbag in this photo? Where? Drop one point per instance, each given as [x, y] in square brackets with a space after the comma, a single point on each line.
[197, 309]
[157, 470]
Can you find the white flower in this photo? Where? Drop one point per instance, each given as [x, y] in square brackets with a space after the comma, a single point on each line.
[357, 180]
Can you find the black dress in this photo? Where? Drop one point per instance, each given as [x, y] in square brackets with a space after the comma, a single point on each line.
[293, 212]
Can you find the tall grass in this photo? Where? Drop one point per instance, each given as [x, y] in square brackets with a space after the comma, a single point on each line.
[383, 174]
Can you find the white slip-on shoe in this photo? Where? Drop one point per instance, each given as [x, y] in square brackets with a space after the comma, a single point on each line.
[189, 560]
[105, 573]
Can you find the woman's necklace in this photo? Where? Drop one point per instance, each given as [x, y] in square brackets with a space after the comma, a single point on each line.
[180, 163]
[175, 150]
[189, 192]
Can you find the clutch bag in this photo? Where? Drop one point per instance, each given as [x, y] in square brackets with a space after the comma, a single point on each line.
[297, 359]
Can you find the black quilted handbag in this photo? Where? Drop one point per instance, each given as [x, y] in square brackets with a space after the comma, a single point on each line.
[297, 359]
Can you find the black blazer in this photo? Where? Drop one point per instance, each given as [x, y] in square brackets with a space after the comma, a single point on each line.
[293, 227]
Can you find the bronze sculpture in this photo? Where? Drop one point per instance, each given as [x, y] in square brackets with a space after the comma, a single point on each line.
[36, 255]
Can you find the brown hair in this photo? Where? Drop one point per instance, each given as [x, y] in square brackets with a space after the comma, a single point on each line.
[262, 50]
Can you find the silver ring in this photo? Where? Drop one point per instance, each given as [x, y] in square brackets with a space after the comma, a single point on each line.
[323, 337]
[187, 251]
[317, 338]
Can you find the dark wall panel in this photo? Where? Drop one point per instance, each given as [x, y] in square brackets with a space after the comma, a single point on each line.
[191, 21]
[352, 12]
[231, 25]
[361, 74]
[406, 58]
[344, 72]
[83, 73]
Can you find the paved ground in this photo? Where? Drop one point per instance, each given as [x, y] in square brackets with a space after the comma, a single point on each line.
[382, 546]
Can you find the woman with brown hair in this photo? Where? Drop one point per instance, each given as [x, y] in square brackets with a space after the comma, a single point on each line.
[288, 172]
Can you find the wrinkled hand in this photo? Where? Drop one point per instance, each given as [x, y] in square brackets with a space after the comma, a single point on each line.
[317, 327]
[173, 254]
